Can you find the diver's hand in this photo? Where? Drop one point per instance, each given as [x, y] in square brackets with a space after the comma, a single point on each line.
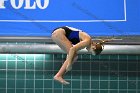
[68, 68]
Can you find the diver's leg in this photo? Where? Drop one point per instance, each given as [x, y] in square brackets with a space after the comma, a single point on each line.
[60, 39]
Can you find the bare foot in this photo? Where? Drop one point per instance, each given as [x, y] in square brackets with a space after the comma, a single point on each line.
[61, 80]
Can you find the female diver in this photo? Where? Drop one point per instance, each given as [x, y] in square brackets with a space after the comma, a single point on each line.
[72, 40]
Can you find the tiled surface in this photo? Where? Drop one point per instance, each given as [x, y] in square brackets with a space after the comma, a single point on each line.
[33, 73]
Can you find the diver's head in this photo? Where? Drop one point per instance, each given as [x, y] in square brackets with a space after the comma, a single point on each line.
[96, 48]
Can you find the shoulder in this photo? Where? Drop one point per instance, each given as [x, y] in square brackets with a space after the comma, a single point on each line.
[84, 36]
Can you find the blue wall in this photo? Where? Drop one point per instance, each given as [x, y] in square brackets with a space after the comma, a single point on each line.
[96, 17]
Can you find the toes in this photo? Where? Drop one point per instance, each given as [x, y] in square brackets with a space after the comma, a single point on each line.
[66, 83]
[61, 80]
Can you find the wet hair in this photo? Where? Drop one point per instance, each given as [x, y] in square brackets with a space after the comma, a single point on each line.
[99, 48]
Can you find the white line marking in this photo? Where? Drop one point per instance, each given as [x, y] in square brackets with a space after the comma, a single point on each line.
[71, 20]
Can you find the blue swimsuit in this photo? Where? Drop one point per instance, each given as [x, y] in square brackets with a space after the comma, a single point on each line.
[72, 34]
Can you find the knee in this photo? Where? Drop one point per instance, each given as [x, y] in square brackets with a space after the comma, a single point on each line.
[54, 35]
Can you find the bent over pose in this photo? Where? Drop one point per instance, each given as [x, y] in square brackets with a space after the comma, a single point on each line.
[72, 40]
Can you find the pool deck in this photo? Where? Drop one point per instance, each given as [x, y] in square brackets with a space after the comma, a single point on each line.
[117, 40]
